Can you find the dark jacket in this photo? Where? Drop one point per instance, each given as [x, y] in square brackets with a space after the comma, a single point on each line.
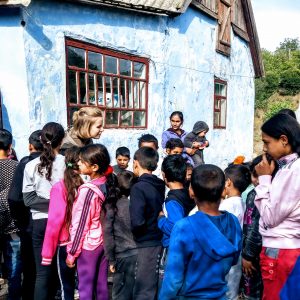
[19, 212]
[118, 238]
[252, 240]
[146, 199]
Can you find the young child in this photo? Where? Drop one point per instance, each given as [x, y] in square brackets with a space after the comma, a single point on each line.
[204, 246]
[120, 248]
[278, 202]
[9, 239]
[122, 158]
[87, 125]
[40, 175]
[148, 140]
[238, 178]
[177, 204]
[86, 234]
[22, 216]
[146, 199]
[195, 142]
[251, 282]
[174, 146]
[62, 197]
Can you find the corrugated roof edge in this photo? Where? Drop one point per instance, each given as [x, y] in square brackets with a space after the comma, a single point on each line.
[15, 2]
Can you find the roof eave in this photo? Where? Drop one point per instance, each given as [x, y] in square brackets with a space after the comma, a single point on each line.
[15, 2]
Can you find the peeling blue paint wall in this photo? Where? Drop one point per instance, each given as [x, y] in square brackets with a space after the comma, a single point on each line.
[182, 69]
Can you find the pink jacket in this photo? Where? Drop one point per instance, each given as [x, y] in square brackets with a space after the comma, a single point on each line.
[278, 203]
[56, 231]
[86, 231]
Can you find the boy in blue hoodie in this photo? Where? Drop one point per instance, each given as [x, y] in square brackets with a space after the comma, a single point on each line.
[204, 246]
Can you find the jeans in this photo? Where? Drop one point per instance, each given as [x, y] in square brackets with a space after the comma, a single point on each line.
[11, 247]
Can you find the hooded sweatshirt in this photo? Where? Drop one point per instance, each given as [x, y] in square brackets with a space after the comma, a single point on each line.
[177, 206]
[146, 199]
[202, 250]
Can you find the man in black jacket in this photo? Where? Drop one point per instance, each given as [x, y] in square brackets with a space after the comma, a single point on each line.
[22, 216]
[146, 199]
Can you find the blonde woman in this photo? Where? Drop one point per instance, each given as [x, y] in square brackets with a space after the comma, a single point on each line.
[87, 125]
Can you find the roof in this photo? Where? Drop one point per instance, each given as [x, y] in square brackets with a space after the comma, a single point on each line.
[164, 7]
[15, 2]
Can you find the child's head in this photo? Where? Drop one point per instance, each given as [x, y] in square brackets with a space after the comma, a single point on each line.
[200, 128]
[281, 136]
[189, 171]
[174, 169]
[145, 159]
[126, 179]
[51, 136]
[176, 120]
[5, 140]
[72, 180]
[207, 183]
[238, 178]
[88, 122]
[94, 159]
[148, 140]
[35, 144]
[122, 157]
[174, 146]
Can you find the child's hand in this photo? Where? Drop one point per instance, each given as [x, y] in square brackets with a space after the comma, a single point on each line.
[264, 167]
[248, 267]
[161, 214]
[196, 145]
[69, 264]
[112, 268]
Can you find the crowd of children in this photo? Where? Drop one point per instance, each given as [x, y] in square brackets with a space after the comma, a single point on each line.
[185, 234]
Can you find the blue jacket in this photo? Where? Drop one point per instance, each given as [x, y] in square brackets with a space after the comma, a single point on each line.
[201, 252]
[178, 205]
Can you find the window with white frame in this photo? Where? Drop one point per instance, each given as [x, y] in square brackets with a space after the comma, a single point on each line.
[115, 82]
[220, 104]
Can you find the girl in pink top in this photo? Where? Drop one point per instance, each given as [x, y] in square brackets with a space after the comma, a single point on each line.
[62, 196]
[278, 202]
[86, 245]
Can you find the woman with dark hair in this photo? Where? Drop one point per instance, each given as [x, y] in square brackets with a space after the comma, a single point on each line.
[40, 175]
[175, 131]
[62, 197]
[278, 202]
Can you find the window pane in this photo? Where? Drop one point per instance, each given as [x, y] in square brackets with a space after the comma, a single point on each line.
[82, 88]
[72, 87]
[76, 57]
[139, 118]
[136, 94]
[92, 89]
[139, 70]
[223, 113]
[217, 89]
[111, 118]
[111, 65]
[116, 92]
[216, 119]
[126, 118]
[108, 91]
[217, 104]
[130, 94]
[143, 94]
[100, 90]
[95, 61]
[123, 92]
[223, 90]
[125, 67]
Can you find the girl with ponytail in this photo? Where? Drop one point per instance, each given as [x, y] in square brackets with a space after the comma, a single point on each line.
[86, 242]
[40, 175]
[62, 197]
[278, 202]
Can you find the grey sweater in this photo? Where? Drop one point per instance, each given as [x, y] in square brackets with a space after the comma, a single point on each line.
[118, 239]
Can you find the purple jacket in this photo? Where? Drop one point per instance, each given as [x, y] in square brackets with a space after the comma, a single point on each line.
[171, 134]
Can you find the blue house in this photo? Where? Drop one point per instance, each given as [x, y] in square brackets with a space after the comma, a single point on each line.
[138, 60]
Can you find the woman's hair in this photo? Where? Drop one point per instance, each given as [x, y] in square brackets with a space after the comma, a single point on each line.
[83, 119]
[283, 124]
[72, 180]
[289, 112]
[51, 137]
[177, 113]
[97, 154]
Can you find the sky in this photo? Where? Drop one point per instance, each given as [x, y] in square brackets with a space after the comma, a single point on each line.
[276, 20]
